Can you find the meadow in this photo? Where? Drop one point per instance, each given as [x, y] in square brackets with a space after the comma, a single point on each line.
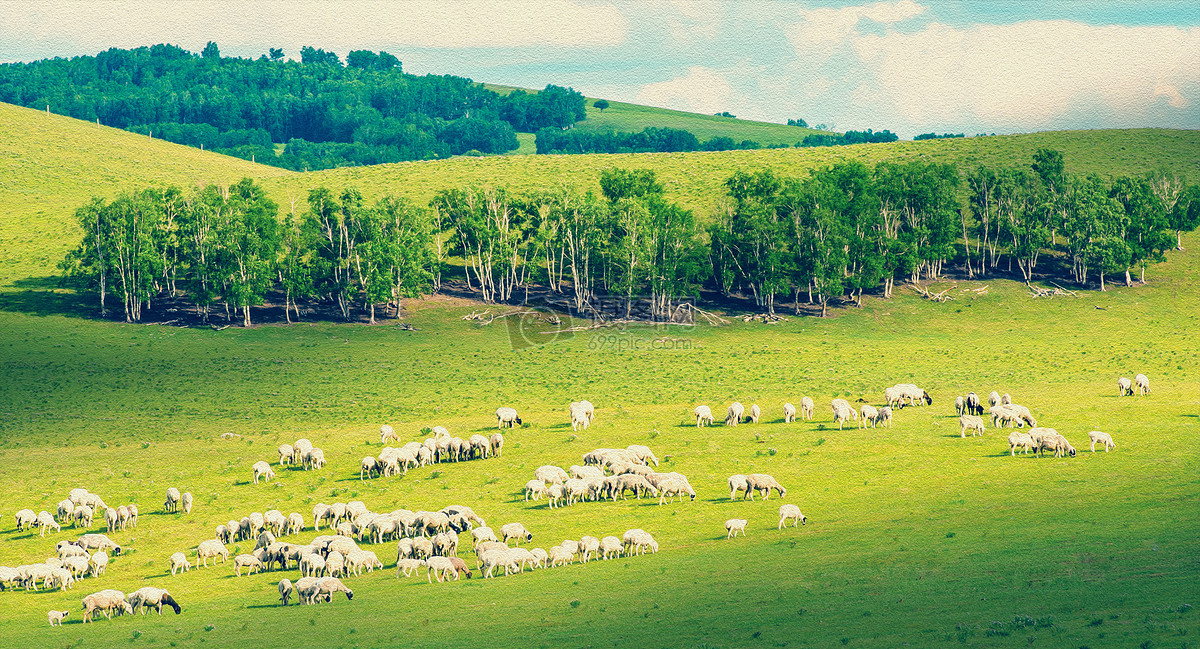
[914, 536]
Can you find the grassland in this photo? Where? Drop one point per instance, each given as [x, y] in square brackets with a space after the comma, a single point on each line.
[914, 536]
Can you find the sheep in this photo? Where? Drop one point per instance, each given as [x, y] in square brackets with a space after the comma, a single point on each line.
[589, 409]
[422, 547]
[186, 501]
[842, 414]
[960, 406]
[262, 470]
[733, 415]
[539, 557]
[1103, 438]
[807, 408]
[481, 445]
[46, 521]
[704, 416]
[588, 547]
[56, 617]
[251, 563]
[26, 519]
[515, 531]
[1142, 383]
[550, 474]
[60, 578]
[481, 534]
[172, 503]
[285, 590]
[579, 416]
[368, 468]
[295, 523]
[535, 488]
[179, 561]
[133, 515]
[439, 567]
[460, 567]
[1023, 440]
[755, 413]
[67, 549]
[83, 516]
[869, 413]
[643, 453]
[637, 541]
[789, 413]
[1004, 416]
[98, 542]
[993, 399]
[973, 405]
[79, 566]
[507, 416]
[123, 517]
[312, 565]
[306, 590]
[1022, 414]
[611, 546]
[210, 549]
[302, 446]
[584, 472]
[792, 513]
[894, 397]
[763, 484]
[554, 495]
[335, 564]
[1005, 399]
[1124, 387]
[407, 566]
[327, 586]
[735, 525]
[738, 483]
[147, 596]
[313, 459]
[497, 444]
[99, 562]
[630, 481]
[1048, 438]
[106, 601]
[386, 433]
[971, 423]
[287, 455]
[674, 486]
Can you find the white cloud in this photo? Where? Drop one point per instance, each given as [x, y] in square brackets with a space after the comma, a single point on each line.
[820, 30]
[701, 90]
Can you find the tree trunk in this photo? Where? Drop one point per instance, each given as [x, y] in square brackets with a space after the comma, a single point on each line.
[1128, 281]
[246, 314]
[1102, 282]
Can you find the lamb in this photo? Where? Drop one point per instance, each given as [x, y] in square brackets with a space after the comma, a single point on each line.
[763, 484]
[327, 586]
[497, 443]
[1142, 384]
[733, 415]
[210, 549]
[807, 408]
[869, 413]
[972, 423]
[287, 455]
[792, 513]
[550, 474]
[386, 433]
[56, 617]
[407, 566]
[186, 501]
[1023, 440]
[262, 470]
[251, 563]
[1124, 387]
[460, 568]
[535, 488]
[107, 601]
[755, 413]
[704, 416]
[579, 417]
[1103, 438]
[148, 596]
[359, 559]
[789, 413]
[46, 521]
[894, 397]
[179, 561]
[313, 459]
[960, 406]
[173, 496]
[735, 525]
[507, 416]
[515, 531]
[738, 483]
[610, 546]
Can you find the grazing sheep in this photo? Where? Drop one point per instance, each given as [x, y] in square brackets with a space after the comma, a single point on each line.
[973, 405]
[186, 501]
[735, 525]
[733, 415]
[79, 566]
[1142, 383]
[792, 513]
[327, 586]
[408, 566]
[643, 453]
[106, 601]
[763, 484]
[251, 563]
[83, 516]
[179, 562]
[611, 546]
[515, 531]
[56, 617]
[497, 443]
[312, 565]
[99, 562]
[960, 406]
[588, 547]
[1103, 438]
[262, 470]
[460, 568]
[313, 459]
[98, 542]
[1005, 399]
[507, 416]
[368, 468]
[585, 472]
[554, 495]
[993, 399]
[535, 488]
[971, 423]
[884, 418]
[1050, 439]
[843, 413]
[674, 486]
[738, 483]
[894, 397]
[46, 521]
[1124, 387]
[172, 503]
[285, 590]
[386, 433]
[704, 416]
[589, 409]
[287, 455]
[869, 413]
[807, 408]
[210, 549]
[1024, 440]
[789, 413]
[439, 567]
[550, 474]
[147, 596]
[579, 417]
[65, 510]
[755, 413]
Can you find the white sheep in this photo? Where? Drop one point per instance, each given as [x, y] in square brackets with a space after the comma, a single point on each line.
[842, 414]
[408, 566]
[792, 513]
[704, 416]
[515, 531]
[755, 413]
[262, 470]
[56, 617]
[386, 433]
[507, 416]
[1102, 438]
[1142, 383]
[497, 443]
[83, 516]
[210, 549]
[869, 413]
[1124, 387]
[327, 586]
[588, 547]
[643, 453]
[589, 409]
[179, 561]
[735, 525]
[585, 472]
[738, 483]
[535, 488]
[1024, 440]
[579, 416]
[99, 562]
[251, 563]
[65, 509]
[789, 413]
[285, 590]
[148, 596]
[287, 455]
[973, 405]
[960, 406]
[550, 474]
[46, 521]
[807, 408]
[186, 502]
[313, 459]
[971, 423]
[611, 546]
[368, 468]
[763, 484]
[554, 495]
[733, 416]
[172, 503]
[993, 399]
[107, 601]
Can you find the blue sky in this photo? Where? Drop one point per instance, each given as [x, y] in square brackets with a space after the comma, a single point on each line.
[907, 65]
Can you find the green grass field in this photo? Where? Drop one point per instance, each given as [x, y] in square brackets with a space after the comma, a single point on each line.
[915, 536]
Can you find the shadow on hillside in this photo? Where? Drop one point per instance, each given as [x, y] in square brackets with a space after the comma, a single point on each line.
[43, 296]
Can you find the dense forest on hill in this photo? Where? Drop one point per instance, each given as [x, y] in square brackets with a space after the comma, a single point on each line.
[328, 113]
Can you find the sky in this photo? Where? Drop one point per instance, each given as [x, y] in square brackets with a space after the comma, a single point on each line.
[910, 66]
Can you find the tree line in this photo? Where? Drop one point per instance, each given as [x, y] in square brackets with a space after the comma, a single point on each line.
[831, 235]
[329, 113]
[666, 140]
